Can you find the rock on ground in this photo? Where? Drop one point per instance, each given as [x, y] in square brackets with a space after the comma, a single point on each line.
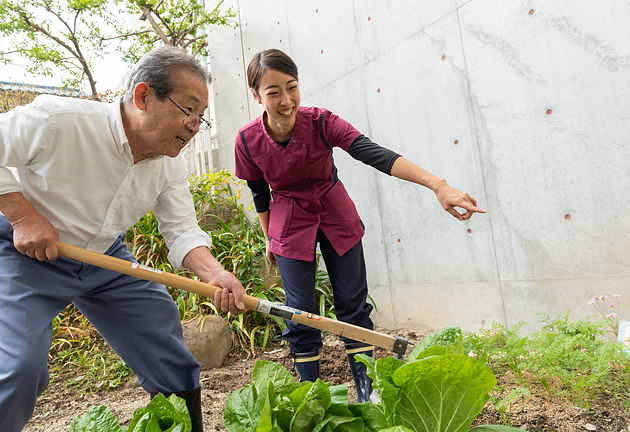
[209, 339]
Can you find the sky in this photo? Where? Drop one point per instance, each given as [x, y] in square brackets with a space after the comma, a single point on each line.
[109, 72]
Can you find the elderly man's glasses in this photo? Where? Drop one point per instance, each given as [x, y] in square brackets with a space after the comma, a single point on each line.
[191, 120]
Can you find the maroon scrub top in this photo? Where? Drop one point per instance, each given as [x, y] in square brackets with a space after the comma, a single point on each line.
[305, 192]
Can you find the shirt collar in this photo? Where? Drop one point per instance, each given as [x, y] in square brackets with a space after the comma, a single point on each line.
[116, 124]
[298, 127]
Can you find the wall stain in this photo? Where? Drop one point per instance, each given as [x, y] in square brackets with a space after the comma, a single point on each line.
[509, 52]
[607, 54]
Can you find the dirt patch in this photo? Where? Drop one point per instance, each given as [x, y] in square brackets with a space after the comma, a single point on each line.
[539, 412]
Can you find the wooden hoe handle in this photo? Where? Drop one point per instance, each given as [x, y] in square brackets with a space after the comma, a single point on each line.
[393, 343]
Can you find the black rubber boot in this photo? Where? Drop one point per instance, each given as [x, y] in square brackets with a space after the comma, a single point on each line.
[307, 365]
[359, 370]
[193, 403]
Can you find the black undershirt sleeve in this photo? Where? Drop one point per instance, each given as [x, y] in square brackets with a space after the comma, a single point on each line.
[361, 149]
[261, 194]
[370, 153]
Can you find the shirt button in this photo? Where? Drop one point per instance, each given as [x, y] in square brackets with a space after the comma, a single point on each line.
[303, 145]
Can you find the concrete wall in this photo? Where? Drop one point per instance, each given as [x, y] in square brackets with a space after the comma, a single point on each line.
[525, 105]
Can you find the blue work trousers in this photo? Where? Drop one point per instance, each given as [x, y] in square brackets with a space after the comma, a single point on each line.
[349, 283]
[137, 318]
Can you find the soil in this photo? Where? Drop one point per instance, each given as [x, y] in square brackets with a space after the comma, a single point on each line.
[60, 403]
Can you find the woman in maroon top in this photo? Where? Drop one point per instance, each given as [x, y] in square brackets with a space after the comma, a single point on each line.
[289, 148]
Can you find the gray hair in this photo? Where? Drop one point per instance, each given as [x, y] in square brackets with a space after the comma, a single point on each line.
[156, 69]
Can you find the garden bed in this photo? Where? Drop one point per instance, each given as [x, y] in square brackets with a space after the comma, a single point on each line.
[538, 412]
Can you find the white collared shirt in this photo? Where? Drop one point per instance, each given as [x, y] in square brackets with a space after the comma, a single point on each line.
[74, 164]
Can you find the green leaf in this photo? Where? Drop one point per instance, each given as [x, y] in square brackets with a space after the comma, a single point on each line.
[265, 423]
[283, 413]
[180, 407]
[313, 409]
[397, 429]
[372, 416]
[340, 424]
[381, 373]
[441, 394]
[447, 340]
[161, 415]
[298, 396]
[339, 394]
[97, 419]
[282, 379]
[240, 413]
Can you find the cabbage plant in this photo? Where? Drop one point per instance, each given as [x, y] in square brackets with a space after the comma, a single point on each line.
[438, 389]
[161, 414]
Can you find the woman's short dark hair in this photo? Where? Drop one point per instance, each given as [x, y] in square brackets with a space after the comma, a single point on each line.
[156, 68]
[269, 59]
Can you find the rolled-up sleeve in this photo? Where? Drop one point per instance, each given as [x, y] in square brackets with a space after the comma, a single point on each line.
[175, 212]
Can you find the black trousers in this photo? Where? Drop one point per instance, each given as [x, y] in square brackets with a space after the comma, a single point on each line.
[349, 283]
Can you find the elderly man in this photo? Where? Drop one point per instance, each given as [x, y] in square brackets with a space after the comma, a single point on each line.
[86, 171]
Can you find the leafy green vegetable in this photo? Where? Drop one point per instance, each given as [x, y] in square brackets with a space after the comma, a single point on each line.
[447, 340]
[447, 391]
[397, 429]
[97, 419]
[439, 389]
[160, 415]
[274, 401]
[372, 416]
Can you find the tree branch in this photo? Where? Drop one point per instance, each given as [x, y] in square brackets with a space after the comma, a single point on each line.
[45, 32]
[147, 13]
[126, 35]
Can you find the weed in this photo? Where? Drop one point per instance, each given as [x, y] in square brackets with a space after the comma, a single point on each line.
[568, 358]
[503, 405]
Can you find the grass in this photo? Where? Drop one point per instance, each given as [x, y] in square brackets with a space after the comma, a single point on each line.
[78, 349]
